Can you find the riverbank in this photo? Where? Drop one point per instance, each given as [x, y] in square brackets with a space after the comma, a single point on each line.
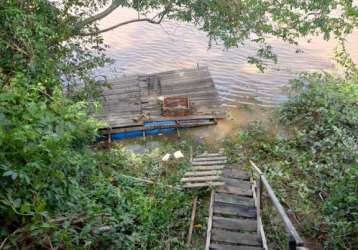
[116, 198]
[307, 148]
[314, 169]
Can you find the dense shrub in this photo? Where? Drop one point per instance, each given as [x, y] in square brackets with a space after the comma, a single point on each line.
[57, 192]
[314, 167]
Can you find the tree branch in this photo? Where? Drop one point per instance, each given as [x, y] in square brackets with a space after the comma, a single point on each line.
[114, 5]
[149, 20]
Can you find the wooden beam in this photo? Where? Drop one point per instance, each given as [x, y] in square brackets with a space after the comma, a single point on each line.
[200, 178]
[203, 173]
[204, 184]
[210, 158]
[193, 211]
[208, 168]
[210, 220]
[256, 191]
[208, 163]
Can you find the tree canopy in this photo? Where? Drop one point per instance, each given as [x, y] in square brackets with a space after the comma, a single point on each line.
[232, 21]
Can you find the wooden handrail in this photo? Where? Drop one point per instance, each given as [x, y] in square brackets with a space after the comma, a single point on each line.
[294, 239]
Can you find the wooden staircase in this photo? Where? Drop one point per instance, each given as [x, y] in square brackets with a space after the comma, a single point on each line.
[233, 223]
[234, 220]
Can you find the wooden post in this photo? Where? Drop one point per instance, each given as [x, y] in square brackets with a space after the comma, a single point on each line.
[210, 220]
[291, 243]
[109, 135]
[260, 192]
[191, 153]
[258, 203]
[193, 212]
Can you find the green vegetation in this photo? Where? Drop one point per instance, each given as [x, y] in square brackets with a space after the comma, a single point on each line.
[57, 192]
[89, 199]
[314, 168]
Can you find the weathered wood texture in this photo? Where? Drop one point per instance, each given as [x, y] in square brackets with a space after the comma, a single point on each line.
[132, 100]
[205, 171]
[234, 222]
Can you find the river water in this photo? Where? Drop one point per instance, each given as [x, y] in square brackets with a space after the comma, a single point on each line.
[148, 48]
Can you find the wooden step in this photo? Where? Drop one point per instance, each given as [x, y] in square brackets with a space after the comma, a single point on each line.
[204, 184]
[216, 158]
[249, 239]
[203, 173]
[249, 225]
[208, 163]
[216, 246]
[200, 178]
[234, 190]
[235, 210]
[234, 199]
[210, 155]
[237, 183]
[236, 174]
[208, 168]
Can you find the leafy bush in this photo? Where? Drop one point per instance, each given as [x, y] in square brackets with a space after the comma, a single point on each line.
[56, 191]
[314, 167]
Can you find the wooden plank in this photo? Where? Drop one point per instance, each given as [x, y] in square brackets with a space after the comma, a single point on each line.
[235, 173]
[237, 183]
[210, 158]
[234, 237]
[200, 179]
[234, 190]
[179, 118]
[210, 218]
[235, 210]
[208, 168]
[203, 173]
[257, 197]
[235, 224]
[203, 184]
[221, 246]
[210, 155]
[167, 79]
[234, 199]
[118, 90]
[185, 86]
[193, 211]
[208, 163]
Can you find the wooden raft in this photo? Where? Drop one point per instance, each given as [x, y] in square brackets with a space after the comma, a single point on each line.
[133, 100]
[233, 223]
[206, 171]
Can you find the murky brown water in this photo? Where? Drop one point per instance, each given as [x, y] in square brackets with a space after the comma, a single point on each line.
[147, 48]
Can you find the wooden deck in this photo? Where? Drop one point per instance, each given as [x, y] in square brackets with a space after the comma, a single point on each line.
[133, 100]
